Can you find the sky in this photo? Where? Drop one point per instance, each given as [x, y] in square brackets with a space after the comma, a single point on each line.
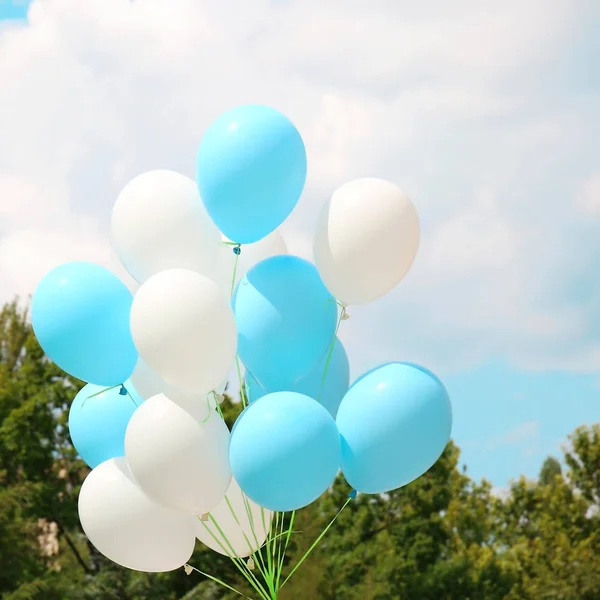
[485, 113]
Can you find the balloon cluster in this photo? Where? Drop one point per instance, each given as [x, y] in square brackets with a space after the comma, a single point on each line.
[218, 291]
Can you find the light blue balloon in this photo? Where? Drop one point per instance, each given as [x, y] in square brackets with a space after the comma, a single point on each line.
[97, 424]
[80, 316]
[250, 170]
[286, 320]
[395, 422]
[329, 392]
[284, 451]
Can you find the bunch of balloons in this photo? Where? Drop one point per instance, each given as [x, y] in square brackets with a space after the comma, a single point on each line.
[219, 293]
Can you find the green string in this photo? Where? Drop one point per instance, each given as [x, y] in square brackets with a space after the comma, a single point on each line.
[316, 542]
[235, 559]
[104, 390]
[242, 567]
[218, 581]
[276, 550]
[331, 348]
[285, 547]
[258, 552]
[243, 396]
[208, 415]
[108, 390]
[235, 266]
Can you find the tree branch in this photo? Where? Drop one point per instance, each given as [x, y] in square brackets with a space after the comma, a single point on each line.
[82, 563]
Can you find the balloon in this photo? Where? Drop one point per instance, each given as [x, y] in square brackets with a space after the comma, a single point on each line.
[242, 525]
[286, 320]
[250, 254]
[98, 419]
[395, 422]
[148, 384]
[329, 392]
[184, 329]
[129, 528]
[250, 170]
[159, 223]
[284, 451]
[176, 459]
[366, 241]
[80, 316]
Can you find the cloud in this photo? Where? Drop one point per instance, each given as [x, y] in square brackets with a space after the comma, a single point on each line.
[466, 105]
[588, 198]
[502, 493]
[527, 434]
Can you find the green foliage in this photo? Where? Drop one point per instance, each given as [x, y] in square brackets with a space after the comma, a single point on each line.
[443, 536]
[550, 470]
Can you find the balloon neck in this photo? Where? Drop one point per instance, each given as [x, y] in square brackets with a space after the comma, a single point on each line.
[352, 494]
[237, 250]
[123, 391]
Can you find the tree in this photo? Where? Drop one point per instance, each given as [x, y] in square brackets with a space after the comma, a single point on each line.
[550, 470]
[549, 535]
[37, 501]
[583, 460]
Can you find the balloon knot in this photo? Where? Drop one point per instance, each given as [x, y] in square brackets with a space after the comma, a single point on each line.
[123, 391]
[352, 494]
[220, 398]
[204, 517]
[250, 564]
[237, 250]
[345, 316]
[188, 570]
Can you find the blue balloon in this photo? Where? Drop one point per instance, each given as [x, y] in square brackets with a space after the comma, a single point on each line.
[250, 170]
[97, 424]
[329, 392]
[286, 320]
[395, 422]
[284, 451]
[80, 316]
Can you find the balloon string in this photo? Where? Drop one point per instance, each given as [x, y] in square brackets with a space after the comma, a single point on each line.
[218, 581]
[243, 396]
[209, 406]
[285, 546]
[235, 559]
[125, 392]
[237, 250]
[104, 390]
[119, 385]
[341, 318]
[316, 542]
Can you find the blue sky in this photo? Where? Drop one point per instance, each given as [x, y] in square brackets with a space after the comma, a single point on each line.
[506, 421]
[486, 113]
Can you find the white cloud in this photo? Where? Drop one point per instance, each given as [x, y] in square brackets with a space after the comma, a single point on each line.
[501, 493]
[522, 434]
[588, 198]
[446, 99]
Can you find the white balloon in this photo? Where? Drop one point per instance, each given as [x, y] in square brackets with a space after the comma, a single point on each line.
[242, 525]
[184, 328]
[175, 458]
[128, 527]
[147, 384]
[366, 241]
[250, 254]
[159, 222]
